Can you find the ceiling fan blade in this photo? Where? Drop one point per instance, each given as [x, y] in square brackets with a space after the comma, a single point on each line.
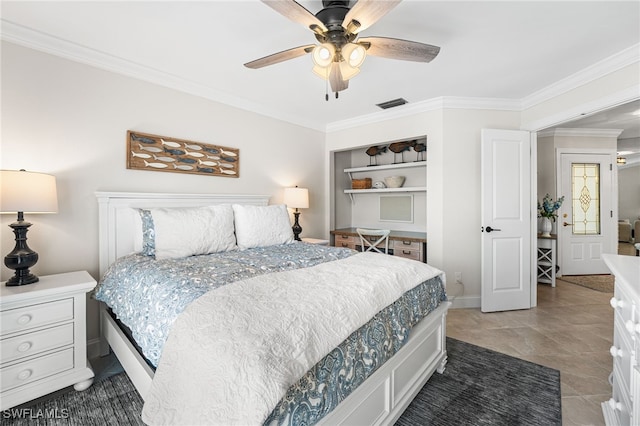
[367, 13]
[297, 13]
[285, 55]
[395, 48]
[335, 78]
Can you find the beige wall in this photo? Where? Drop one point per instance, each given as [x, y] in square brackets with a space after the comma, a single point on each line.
[70, 120]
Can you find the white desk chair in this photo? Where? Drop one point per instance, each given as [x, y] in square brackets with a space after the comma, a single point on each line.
[368, 245]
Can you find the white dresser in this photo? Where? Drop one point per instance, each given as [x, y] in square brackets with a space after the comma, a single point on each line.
[623, 408]
[43, 337]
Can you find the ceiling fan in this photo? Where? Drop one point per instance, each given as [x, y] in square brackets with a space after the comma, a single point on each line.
[339, 54]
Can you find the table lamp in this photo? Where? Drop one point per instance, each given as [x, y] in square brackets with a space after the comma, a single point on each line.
[297, 198]
[25, 192]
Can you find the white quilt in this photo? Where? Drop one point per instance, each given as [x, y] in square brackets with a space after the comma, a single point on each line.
[233, 353]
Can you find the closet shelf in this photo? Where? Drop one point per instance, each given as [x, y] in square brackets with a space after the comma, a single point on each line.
[402, 189]
[386, 167]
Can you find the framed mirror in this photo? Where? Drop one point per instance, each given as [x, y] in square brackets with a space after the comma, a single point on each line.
[396, 208]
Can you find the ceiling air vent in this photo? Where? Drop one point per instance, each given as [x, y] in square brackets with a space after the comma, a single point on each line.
[392, 103]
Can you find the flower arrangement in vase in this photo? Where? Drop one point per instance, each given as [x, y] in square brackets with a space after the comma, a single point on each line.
[547, 211]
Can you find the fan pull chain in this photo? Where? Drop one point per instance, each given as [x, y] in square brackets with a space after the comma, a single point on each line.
[326, 88]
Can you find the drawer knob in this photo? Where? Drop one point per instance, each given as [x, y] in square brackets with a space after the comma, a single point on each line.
[406, 243]
[24, 346]
[615, 303]
[615, 405]
[25, 374]
[24, 319]
[631, 327]
[615, 352]
[406, 251]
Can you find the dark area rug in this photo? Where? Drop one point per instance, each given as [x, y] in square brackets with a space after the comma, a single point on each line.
[478, 387]
[484, 387]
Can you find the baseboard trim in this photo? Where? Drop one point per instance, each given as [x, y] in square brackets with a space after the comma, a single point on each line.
[465, 302]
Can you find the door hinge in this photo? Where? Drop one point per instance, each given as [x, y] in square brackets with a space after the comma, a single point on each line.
[611, 212]
[610, 167]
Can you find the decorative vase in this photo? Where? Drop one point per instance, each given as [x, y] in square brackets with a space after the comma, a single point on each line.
[545, 227]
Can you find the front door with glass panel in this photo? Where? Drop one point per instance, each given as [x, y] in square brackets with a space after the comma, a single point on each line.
[586, 223]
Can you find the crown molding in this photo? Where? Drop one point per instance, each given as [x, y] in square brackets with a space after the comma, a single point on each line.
[444, 102]
[613, 63]
[580, 132]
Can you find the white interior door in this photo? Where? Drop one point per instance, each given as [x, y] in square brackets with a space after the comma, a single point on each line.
[506, 220]
[586, 221]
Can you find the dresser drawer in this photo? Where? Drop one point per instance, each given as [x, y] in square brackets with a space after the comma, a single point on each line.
[36, 369]
[624, 305]
[28, 317]
[621, 351]
[27, 344]
[345, 241]
[620, 402]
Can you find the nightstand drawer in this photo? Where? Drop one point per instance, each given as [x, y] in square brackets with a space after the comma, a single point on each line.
[27, 344]
[28, 317]
[36, 369]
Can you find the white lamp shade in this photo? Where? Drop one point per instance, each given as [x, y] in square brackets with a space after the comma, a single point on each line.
[354, 54]
[323, 54]
[347, 71]
[321, 72]
[27, 192]
[296, 198]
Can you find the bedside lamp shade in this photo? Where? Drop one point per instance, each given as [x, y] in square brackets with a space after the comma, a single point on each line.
[25, 192]
[297, 198]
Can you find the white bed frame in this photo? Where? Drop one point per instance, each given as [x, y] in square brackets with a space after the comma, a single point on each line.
[381, 399]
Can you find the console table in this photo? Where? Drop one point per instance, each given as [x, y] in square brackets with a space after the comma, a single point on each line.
[412, 245]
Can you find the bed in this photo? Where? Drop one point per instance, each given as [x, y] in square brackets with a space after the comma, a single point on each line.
[377, 397]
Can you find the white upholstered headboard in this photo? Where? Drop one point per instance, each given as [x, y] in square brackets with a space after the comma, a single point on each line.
[120, 229]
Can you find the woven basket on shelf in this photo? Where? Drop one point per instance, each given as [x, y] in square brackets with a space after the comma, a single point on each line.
[361, 183]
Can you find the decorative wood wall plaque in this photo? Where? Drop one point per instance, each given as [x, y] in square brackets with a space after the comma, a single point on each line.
[167, 154]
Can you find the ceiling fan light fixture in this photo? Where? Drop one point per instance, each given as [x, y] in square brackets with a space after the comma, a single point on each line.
[347, 71]
[323, 55]
[322, 72]
[354, 54]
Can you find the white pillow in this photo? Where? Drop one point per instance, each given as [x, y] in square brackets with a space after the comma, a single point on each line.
[261, 226]
[182, 232]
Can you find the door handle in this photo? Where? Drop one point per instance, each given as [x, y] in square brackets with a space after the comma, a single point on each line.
[490, 229]
[566, 224]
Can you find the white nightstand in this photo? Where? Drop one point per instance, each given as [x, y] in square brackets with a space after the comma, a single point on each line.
[43, 346]
[316, 241]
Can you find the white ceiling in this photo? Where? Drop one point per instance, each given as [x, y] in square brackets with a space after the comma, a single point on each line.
[502, 49]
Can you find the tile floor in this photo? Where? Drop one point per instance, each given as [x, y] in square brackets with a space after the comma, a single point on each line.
[571, 330]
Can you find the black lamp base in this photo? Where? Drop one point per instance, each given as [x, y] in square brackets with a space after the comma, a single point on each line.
[22, 277]
[21, 257]
[297, 229]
